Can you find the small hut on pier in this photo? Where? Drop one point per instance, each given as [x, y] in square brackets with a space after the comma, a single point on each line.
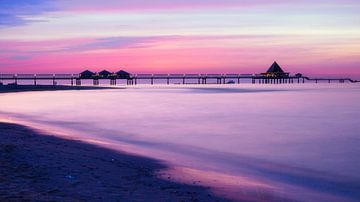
[123, 74]
[275, 71]
[87, 74]
[105, 73]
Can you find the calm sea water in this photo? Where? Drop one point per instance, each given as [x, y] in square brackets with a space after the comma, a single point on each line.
[301, 140]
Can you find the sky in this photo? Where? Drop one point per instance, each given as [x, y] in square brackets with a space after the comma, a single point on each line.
[320, 37]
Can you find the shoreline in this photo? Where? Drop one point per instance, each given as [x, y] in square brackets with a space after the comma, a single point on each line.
[38, 166]
[34, 88]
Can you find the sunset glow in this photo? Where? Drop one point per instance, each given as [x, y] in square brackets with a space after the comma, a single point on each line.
[198, 36]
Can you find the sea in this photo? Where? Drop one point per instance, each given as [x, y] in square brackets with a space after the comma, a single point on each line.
[290, 142]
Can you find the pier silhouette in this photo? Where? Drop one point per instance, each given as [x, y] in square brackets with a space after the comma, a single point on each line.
[274, 75]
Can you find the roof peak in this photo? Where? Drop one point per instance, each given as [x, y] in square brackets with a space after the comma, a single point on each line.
[275, 68]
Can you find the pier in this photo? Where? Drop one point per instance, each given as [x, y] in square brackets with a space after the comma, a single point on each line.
[274, 75]
[134, 79]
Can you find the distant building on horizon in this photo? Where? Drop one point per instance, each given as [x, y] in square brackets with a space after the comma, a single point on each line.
[275, 71]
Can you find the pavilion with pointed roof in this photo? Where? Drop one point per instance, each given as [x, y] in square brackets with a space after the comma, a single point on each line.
[275, 71]
[104, 73]
[123, 74]
[87, 74]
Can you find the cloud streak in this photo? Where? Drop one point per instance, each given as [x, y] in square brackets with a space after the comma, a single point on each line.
[156, 5]
[13, 13]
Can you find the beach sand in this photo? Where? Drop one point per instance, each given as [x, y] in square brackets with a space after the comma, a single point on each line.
[23, 88]
[41, 167]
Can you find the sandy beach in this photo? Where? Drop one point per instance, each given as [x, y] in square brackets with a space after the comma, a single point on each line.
[26, 88]
[39, 167]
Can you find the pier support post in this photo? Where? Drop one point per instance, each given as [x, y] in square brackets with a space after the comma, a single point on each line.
[54, 82]
[238, 80]
[184, 80]
[35, 81]
[152, 80]
[78, 82]
[168, 80]
[113, 82]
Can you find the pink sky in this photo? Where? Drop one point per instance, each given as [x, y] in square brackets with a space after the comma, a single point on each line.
[202, 36]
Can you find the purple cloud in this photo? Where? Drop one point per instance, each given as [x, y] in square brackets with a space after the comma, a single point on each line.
[12, 12]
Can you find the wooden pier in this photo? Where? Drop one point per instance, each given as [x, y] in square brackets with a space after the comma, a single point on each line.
[133, 79]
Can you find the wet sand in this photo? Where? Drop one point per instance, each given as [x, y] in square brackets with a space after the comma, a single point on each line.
[41, 167]
[25, 88]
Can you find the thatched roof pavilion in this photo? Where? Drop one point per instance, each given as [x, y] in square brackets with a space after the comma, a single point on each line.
[87, 74]
[275, 71]
[105, 73]
[123, 74]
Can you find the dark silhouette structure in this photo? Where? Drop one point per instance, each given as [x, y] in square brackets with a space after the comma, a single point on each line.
[105, 73]
[87, 74]
[274, 75]
[123, 74]
[275, 71]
